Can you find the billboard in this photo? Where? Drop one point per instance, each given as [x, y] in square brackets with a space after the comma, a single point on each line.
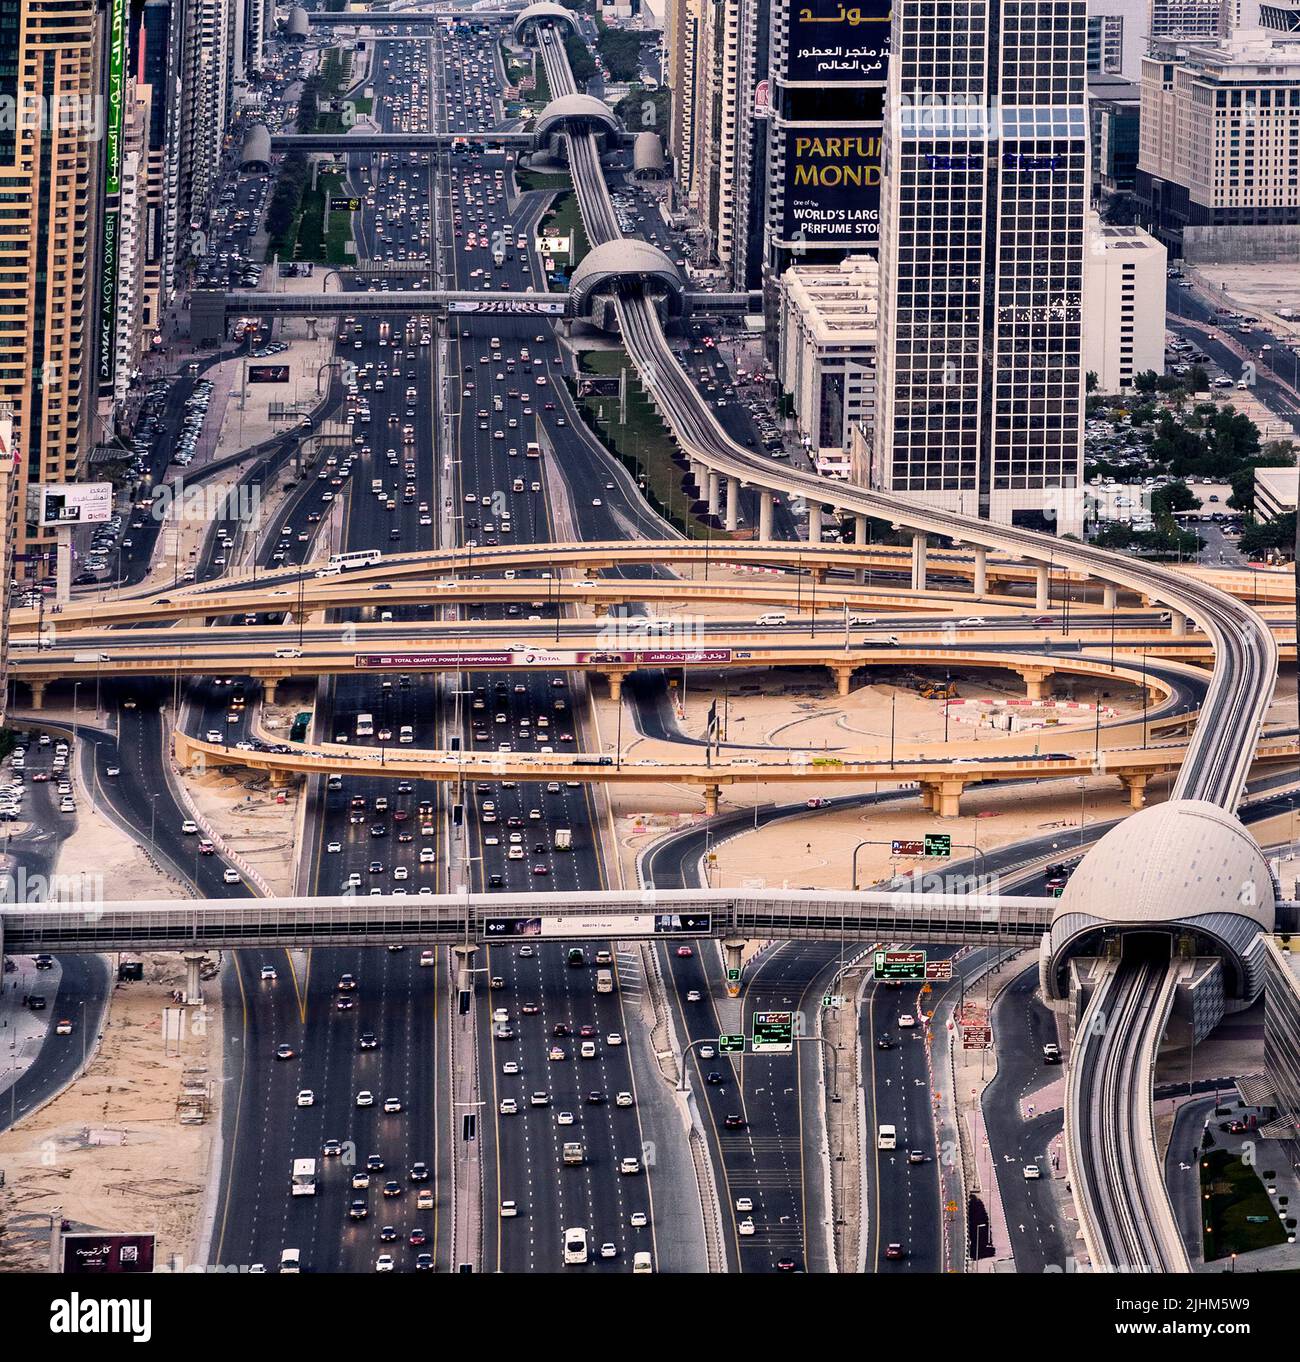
[268, 373]
[831, 44]
[832, 186]
[508, 307]
[106, 362]
[597, 926]
[116, 98]
[103, 1253]
[75, 503]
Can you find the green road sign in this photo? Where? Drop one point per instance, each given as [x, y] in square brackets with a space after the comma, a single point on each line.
[733, 976]
[899, 965]
[773, 1033]
[938, 844]
[731, 1045]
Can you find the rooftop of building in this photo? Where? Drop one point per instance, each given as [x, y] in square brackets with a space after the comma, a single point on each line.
[839, 302]
[1103, 85]
[1241, 55]
[1288, 949]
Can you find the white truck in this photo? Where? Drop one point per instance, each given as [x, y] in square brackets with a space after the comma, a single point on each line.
[564, 839]
[304, 1177]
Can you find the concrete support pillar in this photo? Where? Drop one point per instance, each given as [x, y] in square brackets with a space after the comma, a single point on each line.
[843, 679]
[814, 522]
[733, 503]
[980, 582]
[1042, 584]
[918, 562]
[279, 779]
[615, 680]
[715, 483]
[269, 685]
[299, 616]
[860, 539]
[193, 985]
[38, 694]
[948, 798]
[765, 517]
[464, 959]
[1109, 596]
[1135, 785]
[733, 959]
[711, 793]
[1178, 624]
[697, 476]
[1035, 679]
[928, 792]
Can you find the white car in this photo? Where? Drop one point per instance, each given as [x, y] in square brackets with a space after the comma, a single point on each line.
[638, 1220]
[693, 995]
[334, 847]
[608, 1251]
[746, 1226]
[623, 1099]
[365, 1098]
[613, 1038]
[230, 875]
[510, 1067]
[1032, 1171]
[392, 1105]
[306, 1098]
[905, 1020]
[744, 1203]
[426, 959]
[268, 972]
[564, 1118]
[384, 1263]
[509, 1107]
[189, 826]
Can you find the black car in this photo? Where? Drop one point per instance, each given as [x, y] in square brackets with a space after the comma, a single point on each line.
[368, 1041]
[358, 1210]
[419, 1172]
[713, 1077]
[884, 1043]
[387, 1234]
[734, 1122]
[595, 1099]
[374, 1164]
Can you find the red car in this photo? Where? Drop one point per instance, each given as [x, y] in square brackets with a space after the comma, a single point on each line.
[894, 1251]
[530, 1009]
[684, 952]
[586, 1031]
[541, 870]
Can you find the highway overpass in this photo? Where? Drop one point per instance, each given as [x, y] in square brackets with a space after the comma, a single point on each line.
[942, 782]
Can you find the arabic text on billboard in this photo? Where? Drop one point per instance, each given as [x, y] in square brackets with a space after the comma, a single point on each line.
[836, 44]
[100, 1253]
[116, 100]
[76, 503]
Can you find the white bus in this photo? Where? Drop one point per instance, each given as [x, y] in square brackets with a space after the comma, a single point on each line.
[304, 1177]
[355, 559]
[575, 1245]
[365, 725]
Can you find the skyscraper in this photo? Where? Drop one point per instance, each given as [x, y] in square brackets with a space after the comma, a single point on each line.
[986, 183]
[51, 182]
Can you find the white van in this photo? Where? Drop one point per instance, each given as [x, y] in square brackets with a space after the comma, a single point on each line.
[575, 1245]
[290, 1261]
[406, 733]
[886, 1138]
[773, 617]
[642, 1262]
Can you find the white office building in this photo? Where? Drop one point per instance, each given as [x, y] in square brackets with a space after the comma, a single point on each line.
[1123, 305]
[828, 337]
